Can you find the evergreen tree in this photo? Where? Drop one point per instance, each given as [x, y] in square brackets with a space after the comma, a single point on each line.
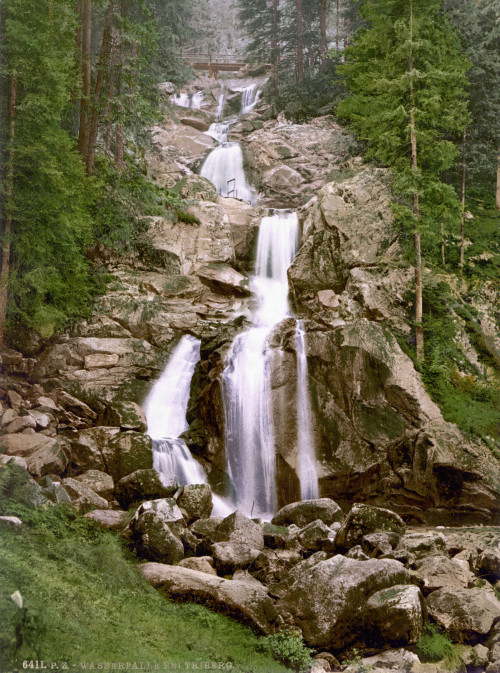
[407, 78]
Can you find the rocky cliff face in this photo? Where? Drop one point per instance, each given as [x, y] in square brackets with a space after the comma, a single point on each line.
[378, 435]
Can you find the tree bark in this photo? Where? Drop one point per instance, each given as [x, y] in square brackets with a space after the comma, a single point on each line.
[337, 27]
[462, 214]
[77, 49]
[498, 179]
[322, 30]
[83, 136]
[310, 51]
[419, 333]
[300, 47]
[274, 48]
[443, 259]
[94, 126]
[7, 225]
[111, 94]
[121, 91]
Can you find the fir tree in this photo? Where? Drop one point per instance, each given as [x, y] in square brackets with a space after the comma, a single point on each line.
[407, 78]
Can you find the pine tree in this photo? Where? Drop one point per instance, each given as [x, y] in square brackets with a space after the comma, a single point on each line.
[407, 77]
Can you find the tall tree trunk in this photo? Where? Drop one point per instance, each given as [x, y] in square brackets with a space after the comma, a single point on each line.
[337, 27]
[462, 214]
[111, 94]
[443, 259]
[121, 91]
[419, 333]
[77, 49]
[322, 30]
[310, 51]
[7, 225]
[498, 178]
[274, 48]
[135, 52]
[300, 48]
[83, 136]
[94, 126]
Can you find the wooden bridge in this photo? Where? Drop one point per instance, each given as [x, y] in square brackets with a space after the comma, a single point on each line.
[216, 63]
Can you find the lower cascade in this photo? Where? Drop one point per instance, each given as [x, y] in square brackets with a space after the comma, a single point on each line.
[250, 440]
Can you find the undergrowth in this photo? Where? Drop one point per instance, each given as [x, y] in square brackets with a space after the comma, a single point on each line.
[288, 648]
[433, 645]
[81, 600]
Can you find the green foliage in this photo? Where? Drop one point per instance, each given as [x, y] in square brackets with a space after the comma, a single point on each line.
[357, 662]
[287, 648]
[433, 645]
[83, 600]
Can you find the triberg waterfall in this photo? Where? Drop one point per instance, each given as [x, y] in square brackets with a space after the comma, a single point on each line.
[249, 428]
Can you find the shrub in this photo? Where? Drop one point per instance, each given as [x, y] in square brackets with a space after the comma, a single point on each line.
[433, 645]
[288, 648]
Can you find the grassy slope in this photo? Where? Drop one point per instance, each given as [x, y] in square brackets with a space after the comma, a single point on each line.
[85, 602]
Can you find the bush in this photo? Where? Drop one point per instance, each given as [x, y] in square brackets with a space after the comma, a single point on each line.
[287, 648]
[433, 645]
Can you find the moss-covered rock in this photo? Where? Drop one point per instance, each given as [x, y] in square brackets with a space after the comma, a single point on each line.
[125, 415]
[365, 519]
[127, 452]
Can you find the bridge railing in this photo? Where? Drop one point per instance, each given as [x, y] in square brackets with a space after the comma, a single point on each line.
[216, 58]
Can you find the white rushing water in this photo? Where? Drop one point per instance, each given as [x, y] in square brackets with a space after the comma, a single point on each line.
[165, 409]
[193, 101]
[250, 445]
[306, 469]
[249, 99]
[224, 168]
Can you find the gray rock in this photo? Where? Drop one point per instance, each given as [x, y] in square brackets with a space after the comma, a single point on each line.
[238, 528]
[142, 485]
[365, 519]
[398, 660]
[55, 492]
[10, 523]
[327, 601]
[83, 498]
[307, 511]
[276, 537]
[123, 415]
[489, 563]
[231, 556]
[109, 519]
[357, 553]
[156, 530]
[466, 614]
[248, 602]
[14, 460]
[312, 535]
[127, 452]
[438, 571]
[99, 482]
[378, 544]
[203, 564]
[43, 455]
[196, 500]
[395, 616]
[19, 424]
[87, 447]
[274, 565]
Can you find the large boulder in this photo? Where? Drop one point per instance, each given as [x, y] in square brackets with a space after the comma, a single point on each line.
[466, 614]
[43, 455]
[83, 498]
[365, 519]
[231, 556]
[238, 528]
[123, 415]
[249, 603]
[127, 452]
[156, 531]
[395, 616]
[142, 485]
[327, 600]
[87, 447]
[108, 518]
[307, 511]
[224, 279]
[99, 482]
[196, 500]
[438, 571]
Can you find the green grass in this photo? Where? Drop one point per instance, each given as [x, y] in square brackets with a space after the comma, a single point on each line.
[84, 601]
[434, 645]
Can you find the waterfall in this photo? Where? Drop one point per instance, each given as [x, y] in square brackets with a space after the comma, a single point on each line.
[190, 100]
[221, 103]
[249, 97]
[306, 459]
[224, 168]
[165, 406]
[250, 447]
[219, 131]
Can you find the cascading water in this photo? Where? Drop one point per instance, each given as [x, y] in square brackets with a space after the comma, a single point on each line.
[165, 409]
[306, 459]
[250, 446]
[224, 166]
[190, 100]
